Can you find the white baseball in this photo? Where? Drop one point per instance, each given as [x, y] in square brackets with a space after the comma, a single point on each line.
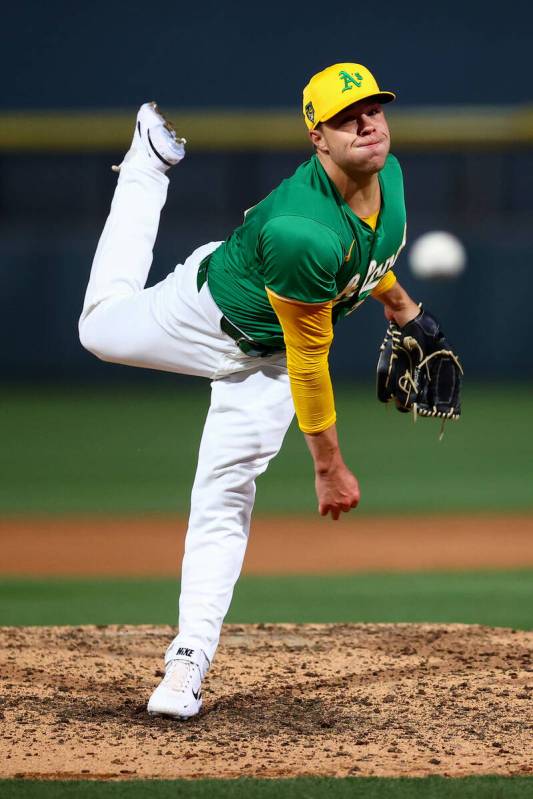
[437, 254]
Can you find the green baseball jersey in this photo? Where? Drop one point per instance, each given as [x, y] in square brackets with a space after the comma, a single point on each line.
[304, 242]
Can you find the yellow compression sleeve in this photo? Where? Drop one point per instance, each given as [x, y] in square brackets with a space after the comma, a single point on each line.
[387, 282]
[308, 333]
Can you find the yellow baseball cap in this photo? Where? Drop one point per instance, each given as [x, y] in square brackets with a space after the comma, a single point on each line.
[337, 87]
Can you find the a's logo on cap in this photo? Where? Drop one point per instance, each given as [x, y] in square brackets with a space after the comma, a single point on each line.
[349, 81]
[310, 113]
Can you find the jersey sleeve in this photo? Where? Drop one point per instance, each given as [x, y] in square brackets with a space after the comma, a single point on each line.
[308, 333]
[300, 258]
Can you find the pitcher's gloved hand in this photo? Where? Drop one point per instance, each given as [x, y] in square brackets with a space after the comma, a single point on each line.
[418, 369]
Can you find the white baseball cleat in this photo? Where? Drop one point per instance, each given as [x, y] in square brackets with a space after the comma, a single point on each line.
[155, 139]
[179, 694]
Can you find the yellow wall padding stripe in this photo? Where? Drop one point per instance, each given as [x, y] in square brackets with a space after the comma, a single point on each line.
[213, 130]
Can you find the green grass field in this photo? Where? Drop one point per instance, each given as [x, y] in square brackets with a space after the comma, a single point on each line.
[303, 788]
[494, 598]
[134, 449]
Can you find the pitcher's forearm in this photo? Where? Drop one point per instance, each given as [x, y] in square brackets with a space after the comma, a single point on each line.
[398, 305]
[324, 449]
[336, 487]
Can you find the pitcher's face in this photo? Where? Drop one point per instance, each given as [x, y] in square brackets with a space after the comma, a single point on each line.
[356, 139]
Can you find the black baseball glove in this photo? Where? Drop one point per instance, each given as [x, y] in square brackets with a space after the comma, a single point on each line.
[418, 369]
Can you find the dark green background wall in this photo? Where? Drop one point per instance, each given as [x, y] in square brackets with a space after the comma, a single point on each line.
[242, 54]
[53, 208]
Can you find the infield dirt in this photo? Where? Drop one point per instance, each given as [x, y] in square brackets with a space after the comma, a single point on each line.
[281, 700]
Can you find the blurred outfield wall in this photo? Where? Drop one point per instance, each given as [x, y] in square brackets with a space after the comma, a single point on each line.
[54, 206]
[239, 54]
[462, 128]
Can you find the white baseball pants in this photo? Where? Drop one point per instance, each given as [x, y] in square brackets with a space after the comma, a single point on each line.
[175, 328]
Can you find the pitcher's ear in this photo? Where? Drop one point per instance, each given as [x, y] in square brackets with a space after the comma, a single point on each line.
[317, 140]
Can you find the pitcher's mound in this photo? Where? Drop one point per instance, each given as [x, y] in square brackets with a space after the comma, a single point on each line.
[280, 701]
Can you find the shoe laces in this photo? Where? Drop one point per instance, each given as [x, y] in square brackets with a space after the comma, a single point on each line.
[179, 674]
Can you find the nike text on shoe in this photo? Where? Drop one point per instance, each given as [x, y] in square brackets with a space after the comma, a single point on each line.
[179, 694]
[155, 139]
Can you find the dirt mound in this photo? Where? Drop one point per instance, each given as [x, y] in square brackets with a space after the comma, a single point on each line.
[281, 701]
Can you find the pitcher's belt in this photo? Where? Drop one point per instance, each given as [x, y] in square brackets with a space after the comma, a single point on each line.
[253, 348]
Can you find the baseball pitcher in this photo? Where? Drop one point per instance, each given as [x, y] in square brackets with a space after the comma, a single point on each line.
[255, 315]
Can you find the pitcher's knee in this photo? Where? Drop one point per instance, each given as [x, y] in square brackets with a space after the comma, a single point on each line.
[98, 338]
